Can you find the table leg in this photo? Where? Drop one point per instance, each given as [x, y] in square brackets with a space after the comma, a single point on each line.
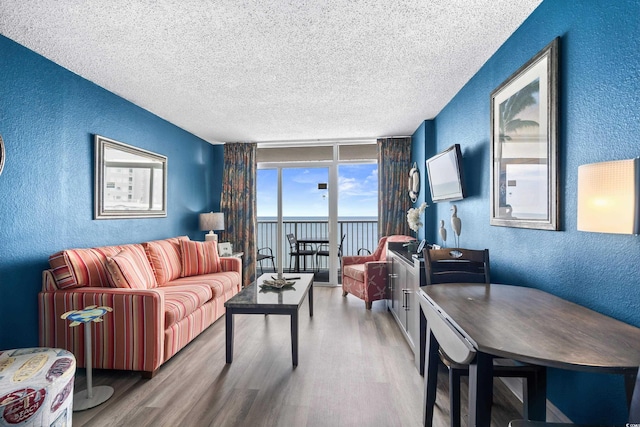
[423, 341]
[92, 396]
[480, 390]
[632, 382]
[311, 300]
[431, 360]
[294, 337]
[536, 397]
[229, 334]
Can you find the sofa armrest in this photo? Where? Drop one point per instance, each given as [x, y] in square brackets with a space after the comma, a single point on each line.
[375, 284]
[231, 264]
[375, 268]
[131, 337]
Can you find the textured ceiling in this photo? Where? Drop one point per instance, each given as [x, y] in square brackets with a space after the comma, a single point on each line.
[275, 70]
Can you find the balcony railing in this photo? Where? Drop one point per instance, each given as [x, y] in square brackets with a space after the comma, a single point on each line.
[359, 234]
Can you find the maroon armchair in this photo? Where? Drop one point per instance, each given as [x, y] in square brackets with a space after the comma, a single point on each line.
[366, 276]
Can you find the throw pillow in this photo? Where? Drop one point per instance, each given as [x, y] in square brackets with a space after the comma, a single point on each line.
[164, 256]
[129, 269]
[199, 258]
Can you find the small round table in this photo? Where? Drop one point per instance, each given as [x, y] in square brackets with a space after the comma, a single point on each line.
[92, 396]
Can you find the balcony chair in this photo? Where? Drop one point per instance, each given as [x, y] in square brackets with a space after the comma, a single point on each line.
[456, 265]
[633, 394]
[365, 276]
[295, 253]
[323, 250]
[265, 253]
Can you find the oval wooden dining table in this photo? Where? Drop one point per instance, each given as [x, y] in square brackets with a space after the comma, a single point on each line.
[528, 325]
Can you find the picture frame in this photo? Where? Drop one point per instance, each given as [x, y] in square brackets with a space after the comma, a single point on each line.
[524, 145]
[224, 249]
[129, 182]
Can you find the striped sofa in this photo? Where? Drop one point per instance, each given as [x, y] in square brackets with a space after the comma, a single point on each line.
[163, 294]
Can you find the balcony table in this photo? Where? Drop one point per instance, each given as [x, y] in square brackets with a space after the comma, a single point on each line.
[301, 243]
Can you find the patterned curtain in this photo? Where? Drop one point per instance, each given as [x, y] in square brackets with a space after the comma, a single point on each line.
[238, 202]
[394, 162]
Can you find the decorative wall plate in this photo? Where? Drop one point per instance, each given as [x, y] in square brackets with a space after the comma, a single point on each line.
[1, 154]
[414, 183]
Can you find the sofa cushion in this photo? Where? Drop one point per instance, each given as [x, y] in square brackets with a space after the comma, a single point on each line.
[164, 256]
[223, 284]
[199, 258]
[355, 271]
[181, 301]
[131, 269]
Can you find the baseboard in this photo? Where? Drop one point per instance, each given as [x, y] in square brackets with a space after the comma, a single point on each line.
[553, 413]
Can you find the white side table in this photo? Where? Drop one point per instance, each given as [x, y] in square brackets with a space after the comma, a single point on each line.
[92, 396]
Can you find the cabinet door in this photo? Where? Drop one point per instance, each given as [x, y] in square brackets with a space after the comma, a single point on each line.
[401, 283]
[412, 307]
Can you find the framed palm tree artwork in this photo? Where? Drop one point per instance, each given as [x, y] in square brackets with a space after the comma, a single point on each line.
[524, 145]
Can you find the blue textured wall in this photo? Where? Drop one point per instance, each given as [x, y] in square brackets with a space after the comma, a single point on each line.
[599, 120]
[48, 116]
[422, 143]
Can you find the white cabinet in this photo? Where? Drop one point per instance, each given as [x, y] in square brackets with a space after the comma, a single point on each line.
[404, 282]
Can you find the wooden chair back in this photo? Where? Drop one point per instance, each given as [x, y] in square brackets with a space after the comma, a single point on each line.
[456, 265]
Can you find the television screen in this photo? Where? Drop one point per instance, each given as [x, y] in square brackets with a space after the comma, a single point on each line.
[445, 175]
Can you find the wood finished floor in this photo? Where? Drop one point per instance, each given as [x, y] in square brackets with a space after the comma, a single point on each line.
[355, 369]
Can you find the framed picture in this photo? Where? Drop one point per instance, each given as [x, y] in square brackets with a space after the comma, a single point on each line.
[524, 145]
[224, 249]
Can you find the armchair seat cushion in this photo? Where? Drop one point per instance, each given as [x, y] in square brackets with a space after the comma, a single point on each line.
[354, 271]
[182, 301]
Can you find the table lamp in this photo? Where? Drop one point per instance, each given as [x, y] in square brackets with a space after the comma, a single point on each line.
[608, 199]
[211, 221]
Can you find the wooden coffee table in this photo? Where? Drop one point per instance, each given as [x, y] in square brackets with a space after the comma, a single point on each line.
[255, 300]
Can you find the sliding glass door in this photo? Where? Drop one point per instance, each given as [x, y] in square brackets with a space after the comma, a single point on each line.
[294, 202]
[326, 196]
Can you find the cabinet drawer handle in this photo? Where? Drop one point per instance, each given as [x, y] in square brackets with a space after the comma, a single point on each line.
[405, 300]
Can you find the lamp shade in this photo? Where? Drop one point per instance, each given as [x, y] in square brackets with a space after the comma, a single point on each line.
[608, 199]
[212, 221]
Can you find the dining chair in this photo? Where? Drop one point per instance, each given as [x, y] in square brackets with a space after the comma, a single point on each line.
[458, 265]
[265, 253]
[295, 253]
[323, 250]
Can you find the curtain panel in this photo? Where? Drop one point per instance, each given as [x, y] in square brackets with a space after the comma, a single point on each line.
[394, 162]
[238, 202]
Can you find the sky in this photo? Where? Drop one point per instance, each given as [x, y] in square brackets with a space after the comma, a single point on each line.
[357, 191]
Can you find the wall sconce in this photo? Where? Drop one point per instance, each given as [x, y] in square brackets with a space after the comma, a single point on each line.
[608, 200]
[211, 221]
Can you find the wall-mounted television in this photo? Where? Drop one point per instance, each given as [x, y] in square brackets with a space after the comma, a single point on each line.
[446, 180]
